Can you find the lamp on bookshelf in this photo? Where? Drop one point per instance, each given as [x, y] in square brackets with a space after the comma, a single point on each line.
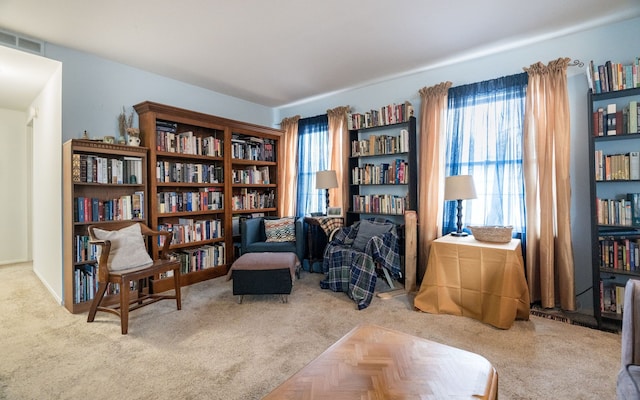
[459, 187]
[326, 180]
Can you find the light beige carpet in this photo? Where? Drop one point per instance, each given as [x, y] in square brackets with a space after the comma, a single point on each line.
[215, 348]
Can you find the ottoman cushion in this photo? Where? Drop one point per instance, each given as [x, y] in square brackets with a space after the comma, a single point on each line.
[262, 261]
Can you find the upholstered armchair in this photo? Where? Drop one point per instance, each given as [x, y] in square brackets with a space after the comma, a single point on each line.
[356, 253]
[628, 384]
[272, 234]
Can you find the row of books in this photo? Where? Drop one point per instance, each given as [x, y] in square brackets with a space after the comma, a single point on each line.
[126, 207]
[251, 175]
[611, 297]
[252, 199]
[613, 167]
[252, 148]
[620, 253]
[203, 200]
[200, 258]
[612, 76]
[86, 284]
[611, 121]
[381, 144]
[625, 212]
[85, 252]
[188, 230]
[114, 170]
[188, 143]
[380, 204]
[395, 173]
[169, 171]
[387, 115]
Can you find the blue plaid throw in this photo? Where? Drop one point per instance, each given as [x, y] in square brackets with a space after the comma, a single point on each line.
[354, 272]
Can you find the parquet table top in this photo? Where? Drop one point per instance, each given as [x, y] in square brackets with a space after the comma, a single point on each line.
[375, 363]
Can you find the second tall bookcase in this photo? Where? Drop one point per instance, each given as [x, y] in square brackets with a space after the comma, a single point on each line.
[203, 171]
[383, 171]
[615, 198]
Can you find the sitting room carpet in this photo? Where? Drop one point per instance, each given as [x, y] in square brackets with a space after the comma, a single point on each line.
[215, 348]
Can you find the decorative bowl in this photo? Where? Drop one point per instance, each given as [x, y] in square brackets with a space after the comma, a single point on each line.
[494, 234]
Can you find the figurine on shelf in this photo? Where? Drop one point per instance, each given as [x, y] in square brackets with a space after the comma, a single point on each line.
[134, 136]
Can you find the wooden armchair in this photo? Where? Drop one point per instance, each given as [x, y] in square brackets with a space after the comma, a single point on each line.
[124, 260]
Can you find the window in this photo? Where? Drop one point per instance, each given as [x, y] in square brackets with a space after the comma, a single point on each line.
[485, 127]
[313, 156]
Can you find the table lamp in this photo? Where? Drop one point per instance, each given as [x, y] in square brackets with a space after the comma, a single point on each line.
[326, 180]
[459, 187]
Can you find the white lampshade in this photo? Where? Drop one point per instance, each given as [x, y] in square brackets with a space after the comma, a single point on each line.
[326, 179]
[459, 187]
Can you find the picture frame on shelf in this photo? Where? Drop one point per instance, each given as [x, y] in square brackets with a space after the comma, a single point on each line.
[334, 212]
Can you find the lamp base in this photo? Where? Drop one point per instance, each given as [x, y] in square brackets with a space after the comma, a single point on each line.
[459, 234]
[327, 209]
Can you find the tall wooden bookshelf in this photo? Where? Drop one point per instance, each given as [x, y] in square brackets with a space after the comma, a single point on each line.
[203, 171]
[102, 183]
[615, 179]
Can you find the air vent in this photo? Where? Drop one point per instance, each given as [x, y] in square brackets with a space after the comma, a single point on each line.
[21, 42]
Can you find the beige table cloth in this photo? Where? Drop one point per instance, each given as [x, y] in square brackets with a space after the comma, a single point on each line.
[475, 279]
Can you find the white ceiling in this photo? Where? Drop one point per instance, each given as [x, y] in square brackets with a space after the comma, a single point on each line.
[280, 52]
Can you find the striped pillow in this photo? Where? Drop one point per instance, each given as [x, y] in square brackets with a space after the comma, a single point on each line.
[280, 230]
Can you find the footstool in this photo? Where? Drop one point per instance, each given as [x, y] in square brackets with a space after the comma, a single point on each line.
[264, 273]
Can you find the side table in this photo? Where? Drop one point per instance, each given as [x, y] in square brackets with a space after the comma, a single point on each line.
[318, 232]
[475, 279]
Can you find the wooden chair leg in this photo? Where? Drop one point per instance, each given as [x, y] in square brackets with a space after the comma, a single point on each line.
[176, 282]
[97, 299]
[141, 289]
[124, 306]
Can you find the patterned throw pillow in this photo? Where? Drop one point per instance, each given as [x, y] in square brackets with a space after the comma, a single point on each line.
[280, 230]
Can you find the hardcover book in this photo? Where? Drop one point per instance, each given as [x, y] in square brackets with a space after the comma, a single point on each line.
[611, 120]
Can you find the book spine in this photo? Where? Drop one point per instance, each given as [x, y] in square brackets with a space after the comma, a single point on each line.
[611, 120]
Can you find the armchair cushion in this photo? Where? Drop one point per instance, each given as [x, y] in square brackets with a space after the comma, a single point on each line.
[366, 231]
[280, 230]
[128, 249]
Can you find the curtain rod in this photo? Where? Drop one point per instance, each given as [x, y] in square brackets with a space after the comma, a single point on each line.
[576, 63]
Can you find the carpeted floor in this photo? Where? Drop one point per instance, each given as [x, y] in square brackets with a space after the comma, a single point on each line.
[215, 348]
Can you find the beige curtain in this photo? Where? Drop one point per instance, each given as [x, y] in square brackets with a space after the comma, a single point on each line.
[288, 166]
[339, 148]
[550, 269]
[433, 111]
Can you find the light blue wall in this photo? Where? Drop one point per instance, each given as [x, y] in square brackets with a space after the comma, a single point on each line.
[617, 42]
[95, 89]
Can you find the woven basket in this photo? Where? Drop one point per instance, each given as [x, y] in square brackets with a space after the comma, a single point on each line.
[494, 234]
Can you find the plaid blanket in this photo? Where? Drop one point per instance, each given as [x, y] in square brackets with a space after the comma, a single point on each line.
[354, 272]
